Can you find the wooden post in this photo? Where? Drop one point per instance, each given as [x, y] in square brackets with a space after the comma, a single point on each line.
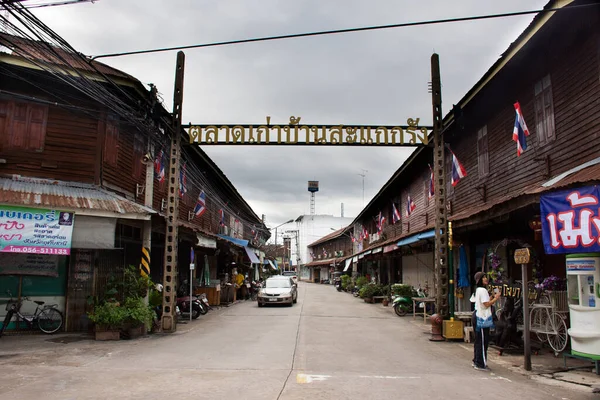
[522, 257]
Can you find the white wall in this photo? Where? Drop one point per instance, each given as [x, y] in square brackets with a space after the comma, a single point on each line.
[312, 228]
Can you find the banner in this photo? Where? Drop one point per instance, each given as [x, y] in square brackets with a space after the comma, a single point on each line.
[35, 231]
[571, 221]
[28, 264]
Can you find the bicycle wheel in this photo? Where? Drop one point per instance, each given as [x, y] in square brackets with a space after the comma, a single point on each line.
[537, 322]
[49, 320]
[559, 336]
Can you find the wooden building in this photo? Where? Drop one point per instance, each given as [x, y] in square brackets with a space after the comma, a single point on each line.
[79, 136]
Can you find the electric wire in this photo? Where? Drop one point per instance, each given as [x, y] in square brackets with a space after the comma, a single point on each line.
[342, 31]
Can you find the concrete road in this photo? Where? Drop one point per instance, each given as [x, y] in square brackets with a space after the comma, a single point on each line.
[328, 346]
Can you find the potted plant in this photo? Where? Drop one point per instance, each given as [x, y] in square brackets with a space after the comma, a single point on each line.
[138, 315]
[367, 292]
[108, 318]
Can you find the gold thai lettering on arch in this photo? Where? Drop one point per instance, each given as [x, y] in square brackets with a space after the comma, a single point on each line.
[294, 133]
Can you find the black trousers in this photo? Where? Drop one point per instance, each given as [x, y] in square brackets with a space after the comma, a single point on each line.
[482, 341]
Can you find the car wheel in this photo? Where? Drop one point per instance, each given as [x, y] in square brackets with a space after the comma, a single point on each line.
[260, 304]
[295, 299]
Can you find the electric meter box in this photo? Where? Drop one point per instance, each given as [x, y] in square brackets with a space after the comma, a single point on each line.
[583, 284]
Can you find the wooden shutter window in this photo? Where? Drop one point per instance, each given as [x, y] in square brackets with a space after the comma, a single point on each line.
[37, 117]
[544, 110]
[111, 141]
[138, 154]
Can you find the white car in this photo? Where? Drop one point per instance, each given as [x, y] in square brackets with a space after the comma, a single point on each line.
[291, 274]
[278, 290]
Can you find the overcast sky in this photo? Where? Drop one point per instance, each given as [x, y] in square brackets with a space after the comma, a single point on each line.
[375, 77]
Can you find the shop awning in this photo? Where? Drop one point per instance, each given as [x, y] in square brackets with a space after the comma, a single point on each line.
[205, 241]
[236, 241]
[416, 237]
[348, 264]
[82, 198]
[251, 255]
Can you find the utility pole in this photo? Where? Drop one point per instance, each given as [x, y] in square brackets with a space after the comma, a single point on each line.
[441, 220]
[168, 320]
[363, 174]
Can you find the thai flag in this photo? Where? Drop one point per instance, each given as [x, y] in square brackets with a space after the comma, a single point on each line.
[410, 206]
[324, 252]
[395, 214]
[380, 222]
[365, 232]
[353, 238]
[200, 204]
[431, 192]
[458, 171]
[159, 167]
[221, 217]
[520, 131]
[182, 181]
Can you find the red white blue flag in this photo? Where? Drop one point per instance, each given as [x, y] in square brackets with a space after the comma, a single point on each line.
[520, 131]
[395, 214]
[200, 204]
[182, 181]
[159, 167]
[324, 252]
[458, 171]
[221, 217]
[410, 206]
[431, 192]
[380, 222]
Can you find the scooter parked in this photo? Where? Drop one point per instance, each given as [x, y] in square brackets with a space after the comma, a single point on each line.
[338, 284]
[190, 304]
[403, 305]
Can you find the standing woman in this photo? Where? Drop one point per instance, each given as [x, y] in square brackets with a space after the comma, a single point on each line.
[484, 320]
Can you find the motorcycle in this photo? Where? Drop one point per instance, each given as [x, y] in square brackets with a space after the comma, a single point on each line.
[338, 284]
[403, 305]
[191, 304]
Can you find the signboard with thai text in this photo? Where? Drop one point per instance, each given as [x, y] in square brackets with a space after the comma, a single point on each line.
[571, 221]
[28, 264]
[295, 133]
[35, 231]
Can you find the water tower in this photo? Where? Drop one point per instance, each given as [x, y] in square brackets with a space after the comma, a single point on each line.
[313, 187]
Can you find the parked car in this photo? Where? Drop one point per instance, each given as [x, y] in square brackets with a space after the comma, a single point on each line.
[278, 290]
[291, 274]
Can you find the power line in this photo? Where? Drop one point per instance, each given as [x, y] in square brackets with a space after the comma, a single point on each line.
[339, 31]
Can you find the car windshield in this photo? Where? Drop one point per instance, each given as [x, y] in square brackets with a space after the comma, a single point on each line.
[278, 283]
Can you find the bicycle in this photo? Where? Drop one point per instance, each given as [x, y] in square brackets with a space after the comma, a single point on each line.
[47, 317]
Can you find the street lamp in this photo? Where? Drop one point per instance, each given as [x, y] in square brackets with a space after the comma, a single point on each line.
[286, 222]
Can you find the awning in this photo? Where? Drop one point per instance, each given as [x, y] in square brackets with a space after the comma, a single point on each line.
[236, 241]
[348, 264]
[251, 255]
[416, 237]
[204, 241]
[377, 250]
[82, 198]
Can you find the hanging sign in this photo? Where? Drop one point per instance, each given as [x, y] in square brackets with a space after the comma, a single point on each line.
[35, 230]
[28, 264]
[571, 221]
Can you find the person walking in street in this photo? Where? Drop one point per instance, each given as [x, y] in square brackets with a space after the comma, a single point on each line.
[483, 320]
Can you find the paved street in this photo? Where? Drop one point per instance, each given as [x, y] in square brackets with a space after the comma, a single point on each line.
[328, 346]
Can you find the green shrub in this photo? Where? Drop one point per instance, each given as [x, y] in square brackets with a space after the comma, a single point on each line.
[108, 316]
[368, 291]
[403, 290]
[137, 313]
[361, 281]
[346, 281]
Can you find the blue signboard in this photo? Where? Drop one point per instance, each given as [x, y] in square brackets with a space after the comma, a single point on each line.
[571, 221]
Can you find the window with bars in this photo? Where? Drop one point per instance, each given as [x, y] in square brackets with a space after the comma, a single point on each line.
[23, 125]
[427, 177]
[111, 140]
[544, 110]
[483, 164]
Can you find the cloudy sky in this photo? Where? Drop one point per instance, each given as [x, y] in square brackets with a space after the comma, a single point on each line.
[375, 77]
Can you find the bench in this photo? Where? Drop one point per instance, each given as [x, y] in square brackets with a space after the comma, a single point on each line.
[376, 299]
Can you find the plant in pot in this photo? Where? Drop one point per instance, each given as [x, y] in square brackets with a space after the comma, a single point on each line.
[108, 318]
[367, 292]
[138, 316]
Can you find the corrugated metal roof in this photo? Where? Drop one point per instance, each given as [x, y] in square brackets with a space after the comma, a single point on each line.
[46, 193]
[32, 50]
[324, 262]
[326, 238]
